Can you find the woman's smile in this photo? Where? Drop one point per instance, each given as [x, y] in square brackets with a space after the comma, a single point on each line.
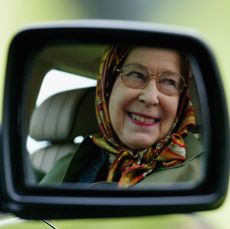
[142, 120]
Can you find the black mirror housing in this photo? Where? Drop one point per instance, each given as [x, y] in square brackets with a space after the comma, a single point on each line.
[66, 202]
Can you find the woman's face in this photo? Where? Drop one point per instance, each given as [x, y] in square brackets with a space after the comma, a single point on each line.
[140, 117]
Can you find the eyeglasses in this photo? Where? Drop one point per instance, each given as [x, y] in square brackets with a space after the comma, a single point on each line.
[137, 76]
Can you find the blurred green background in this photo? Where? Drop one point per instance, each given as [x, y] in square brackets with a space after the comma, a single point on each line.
[210, 18]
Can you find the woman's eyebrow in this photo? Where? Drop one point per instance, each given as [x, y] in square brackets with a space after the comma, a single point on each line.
[172, 66]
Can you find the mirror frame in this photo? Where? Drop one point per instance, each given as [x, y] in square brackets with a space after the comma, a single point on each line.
[50, 202]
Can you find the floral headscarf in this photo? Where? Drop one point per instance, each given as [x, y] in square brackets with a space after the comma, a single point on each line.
[131, 166]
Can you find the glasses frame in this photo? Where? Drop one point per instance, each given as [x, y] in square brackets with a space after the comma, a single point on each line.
[151, 76]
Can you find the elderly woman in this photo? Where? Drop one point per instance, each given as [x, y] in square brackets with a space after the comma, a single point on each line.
[145, 119]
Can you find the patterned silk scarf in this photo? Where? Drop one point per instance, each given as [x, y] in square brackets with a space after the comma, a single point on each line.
[129, 166]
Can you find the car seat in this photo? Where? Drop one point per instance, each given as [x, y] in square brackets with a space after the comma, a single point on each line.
[59, 120]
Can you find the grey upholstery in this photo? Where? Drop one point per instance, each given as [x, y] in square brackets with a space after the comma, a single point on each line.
[58, 120]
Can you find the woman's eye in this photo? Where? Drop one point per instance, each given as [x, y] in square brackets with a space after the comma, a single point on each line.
[136, 75]
[169, 82]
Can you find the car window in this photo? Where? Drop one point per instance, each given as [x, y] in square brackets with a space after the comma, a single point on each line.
[63, 81]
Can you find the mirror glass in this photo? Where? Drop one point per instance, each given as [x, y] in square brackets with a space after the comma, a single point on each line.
[140, 126]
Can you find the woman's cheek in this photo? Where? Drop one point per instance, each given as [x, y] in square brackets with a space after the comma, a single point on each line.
[170, 108]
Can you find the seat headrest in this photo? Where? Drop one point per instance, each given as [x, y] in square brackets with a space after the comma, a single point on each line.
[64, 116]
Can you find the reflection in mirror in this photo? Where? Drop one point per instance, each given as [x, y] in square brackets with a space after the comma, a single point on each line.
[114, 114]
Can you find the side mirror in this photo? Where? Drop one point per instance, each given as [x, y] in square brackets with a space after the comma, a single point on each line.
[77, 48]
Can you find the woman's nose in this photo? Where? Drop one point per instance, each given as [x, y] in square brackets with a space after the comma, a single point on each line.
[150, 94]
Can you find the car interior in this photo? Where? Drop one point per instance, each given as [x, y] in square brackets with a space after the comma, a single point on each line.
[59, 121]
[65, 115]
[68, 114]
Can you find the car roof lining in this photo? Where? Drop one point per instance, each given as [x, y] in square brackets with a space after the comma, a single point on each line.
[80, 59]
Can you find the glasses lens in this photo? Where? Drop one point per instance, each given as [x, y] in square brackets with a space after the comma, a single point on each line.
[135, 76]
[170, 83]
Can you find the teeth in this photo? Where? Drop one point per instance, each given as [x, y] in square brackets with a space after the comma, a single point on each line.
[142, 119]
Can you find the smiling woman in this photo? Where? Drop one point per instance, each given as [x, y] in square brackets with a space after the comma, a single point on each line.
[147, 127]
